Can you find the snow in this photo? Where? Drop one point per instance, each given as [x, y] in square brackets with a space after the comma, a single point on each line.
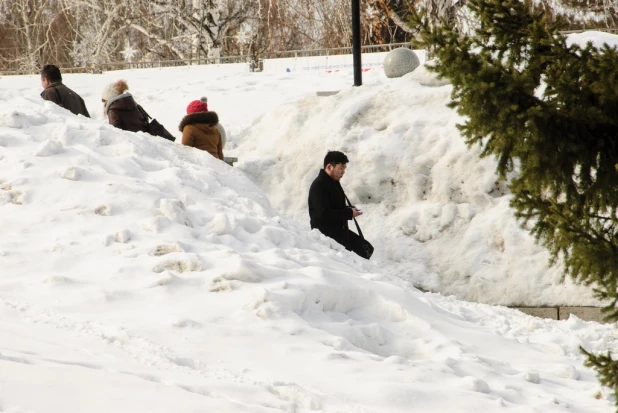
[598, 39]
[141, 275]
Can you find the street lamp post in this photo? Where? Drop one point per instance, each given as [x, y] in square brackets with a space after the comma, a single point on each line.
[356, 43]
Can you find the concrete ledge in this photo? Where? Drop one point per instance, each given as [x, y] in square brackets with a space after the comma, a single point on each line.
[563, 313]
[541, 312]
[230, 160]
[584, 313]
[327, 92]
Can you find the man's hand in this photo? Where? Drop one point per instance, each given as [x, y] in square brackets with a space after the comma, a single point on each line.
[356, 212]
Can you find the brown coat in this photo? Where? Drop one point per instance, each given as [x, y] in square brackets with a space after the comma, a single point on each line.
[124, 114]
[61, 95]
[199, 130]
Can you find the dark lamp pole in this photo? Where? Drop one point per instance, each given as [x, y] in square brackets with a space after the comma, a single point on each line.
[356, 43]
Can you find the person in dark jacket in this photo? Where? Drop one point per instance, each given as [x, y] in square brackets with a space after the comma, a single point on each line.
[55, 91]
[200, 129]
[121, 109]
[327, 207]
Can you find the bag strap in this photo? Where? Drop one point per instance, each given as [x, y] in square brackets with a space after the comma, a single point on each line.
[357, 226]
[146, 115]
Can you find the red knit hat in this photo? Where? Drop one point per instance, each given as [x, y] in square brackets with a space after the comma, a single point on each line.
[198, 106]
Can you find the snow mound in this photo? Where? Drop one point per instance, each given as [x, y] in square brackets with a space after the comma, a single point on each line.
[435, 211]
[152, 277]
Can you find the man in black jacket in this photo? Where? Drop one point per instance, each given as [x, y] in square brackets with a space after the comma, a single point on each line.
[57, 92]
[327, 207]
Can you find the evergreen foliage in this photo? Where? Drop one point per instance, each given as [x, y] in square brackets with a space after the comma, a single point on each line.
[549, 113]
[607, 368]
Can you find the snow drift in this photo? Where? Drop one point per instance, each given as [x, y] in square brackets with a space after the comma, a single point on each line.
[140, 275]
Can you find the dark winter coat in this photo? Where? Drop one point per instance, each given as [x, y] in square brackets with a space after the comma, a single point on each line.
[199, 130]
[63, 96]
[124, 114]
[327, 209]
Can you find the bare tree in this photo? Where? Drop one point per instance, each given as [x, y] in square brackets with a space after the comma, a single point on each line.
[97, 25]
[187, 28]
[92, 32]
[34, 28]
[591, 14]
[574, 13]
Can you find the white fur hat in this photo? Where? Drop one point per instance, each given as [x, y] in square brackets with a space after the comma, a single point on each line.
[114, 89]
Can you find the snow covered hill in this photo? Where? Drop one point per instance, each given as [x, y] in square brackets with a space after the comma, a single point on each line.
[435, 211]
[140, 275]
[433, 208]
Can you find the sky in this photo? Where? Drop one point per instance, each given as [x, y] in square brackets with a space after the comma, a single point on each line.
[141, 275]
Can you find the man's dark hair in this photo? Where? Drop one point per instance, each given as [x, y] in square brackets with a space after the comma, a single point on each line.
[51, 73]
[335, 157]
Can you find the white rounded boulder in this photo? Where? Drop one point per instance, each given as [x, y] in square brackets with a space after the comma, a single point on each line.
[400, 61]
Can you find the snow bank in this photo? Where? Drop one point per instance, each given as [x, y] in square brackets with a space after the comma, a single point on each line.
[140, 275]
[435, 211]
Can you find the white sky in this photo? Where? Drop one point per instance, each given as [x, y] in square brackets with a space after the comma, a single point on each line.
[140, 275]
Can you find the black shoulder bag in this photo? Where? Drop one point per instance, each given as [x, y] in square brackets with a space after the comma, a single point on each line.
[154, 128]
[358, 243]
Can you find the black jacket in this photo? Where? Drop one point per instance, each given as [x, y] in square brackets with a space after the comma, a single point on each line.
[327, 208]
[65, 97]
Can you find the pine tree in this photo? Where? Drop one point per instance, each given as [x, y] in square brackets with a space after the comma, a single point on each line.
[548, 112]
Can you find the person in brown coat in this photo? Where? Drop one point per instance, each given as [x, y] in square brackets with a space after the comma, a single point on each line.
[55, 91]
[121, 109]
[200, 129]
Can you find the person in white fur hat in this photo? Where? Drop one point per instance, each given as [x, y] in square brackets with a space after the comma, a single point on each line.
[121, 109]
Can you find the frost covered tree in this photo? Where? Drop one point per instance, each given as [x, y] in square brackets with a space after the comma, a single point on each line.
[98, 26]
[33, 32]
[547, 112]
[590, 14]
[436, 11]
[186, 29]
[91, 32]
[207, 14]
[280, 25]
[575, 14]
